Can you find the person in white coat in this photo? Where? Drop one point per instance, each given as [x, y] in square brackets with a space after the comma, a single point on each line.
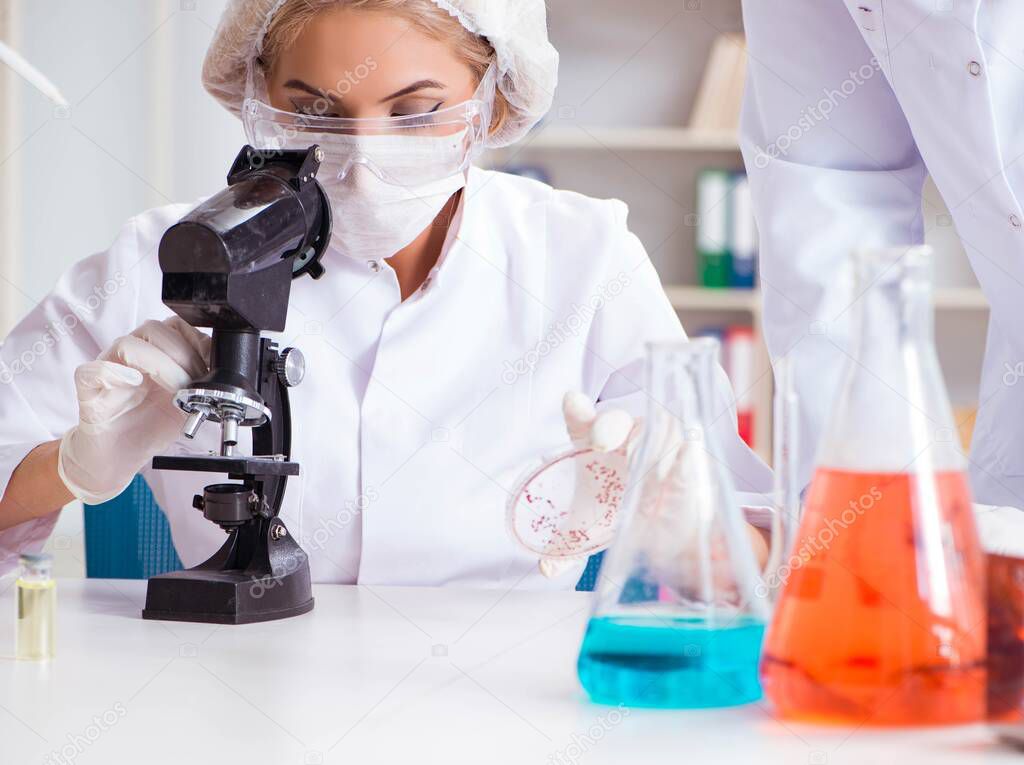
[850, 103]
[458, 308]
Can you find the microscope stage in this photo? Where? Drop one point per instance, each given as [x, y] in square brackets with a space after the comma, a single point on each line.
[264, 466]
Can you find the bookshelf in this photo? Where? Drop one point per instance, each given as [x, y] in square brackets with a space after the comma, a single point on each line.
[689, 298]
[553, 136]
[692, 302]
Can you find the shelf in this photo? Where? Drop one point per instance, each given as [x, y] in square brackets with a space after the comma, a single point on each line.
[690, 298]
[960, 299]
[552, 136]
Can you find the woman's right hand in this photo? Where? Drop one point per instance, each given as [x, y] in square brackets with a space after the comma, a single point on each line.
[126, 410]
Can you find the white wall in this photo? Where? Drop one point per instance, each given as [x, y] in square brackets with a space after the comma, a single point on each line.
[9, 173]
[140, 132]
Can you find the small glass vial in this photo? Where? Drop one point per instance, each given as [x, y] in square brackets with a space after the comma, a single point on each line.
[37, 608]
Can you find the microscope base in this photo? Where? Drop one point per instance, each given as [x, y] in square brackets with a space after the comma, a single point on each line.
[238, 584]
[221, 598]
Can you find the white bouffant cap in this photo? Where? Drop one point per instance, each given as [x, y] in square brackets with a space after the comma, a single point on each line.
[517, 30]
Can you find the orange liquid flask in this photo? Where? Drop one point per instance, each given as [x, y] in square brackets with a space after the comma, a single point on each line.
[881, 619]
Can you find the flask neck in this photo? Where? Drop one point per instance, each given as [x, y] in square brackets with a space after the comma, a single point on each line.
[679, 379]
[893, 310]
[892, 413]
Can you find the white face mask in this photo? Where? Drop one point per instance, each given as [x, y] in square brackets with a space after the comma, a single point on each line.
[374, 219]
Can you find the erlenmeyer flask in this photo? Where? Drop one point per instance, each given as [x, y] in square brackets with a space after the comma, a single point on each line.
[676, 621]
[882, 615]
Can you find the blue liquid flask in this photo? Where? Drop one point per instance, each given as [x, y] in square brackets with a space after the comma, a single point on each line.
[680, 607]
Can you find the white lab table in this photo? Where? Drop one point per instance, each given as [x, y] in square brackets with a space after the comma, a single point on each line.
[380, 675]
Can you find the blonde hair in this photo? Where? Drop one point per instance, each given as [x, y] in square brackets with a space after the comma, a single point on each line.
[425, 15]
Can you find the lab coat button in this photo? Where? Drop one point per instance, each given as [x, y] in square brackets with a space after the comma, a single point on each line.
[1015, 222]
[374, 266]
[974, 68]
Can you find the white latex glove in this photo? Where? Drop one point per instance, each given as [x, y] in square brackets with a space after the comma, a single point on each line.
[610, 433]
[126, 410]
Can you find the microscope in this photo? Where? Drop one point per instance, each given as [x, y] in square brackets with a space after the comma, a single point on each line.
[228, 265]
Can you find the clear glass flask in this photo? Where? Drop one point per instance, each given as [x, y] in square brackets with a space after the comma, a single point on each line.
[786, 490]
[882, 616]
[36, 608]
[676, 621]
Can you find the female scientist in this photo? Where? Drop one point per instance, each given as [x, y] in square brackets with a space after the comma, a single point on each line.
[459, 307]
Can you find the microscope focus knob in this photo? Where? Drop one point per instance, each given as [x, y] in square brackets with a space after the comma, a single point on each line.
[290, 367]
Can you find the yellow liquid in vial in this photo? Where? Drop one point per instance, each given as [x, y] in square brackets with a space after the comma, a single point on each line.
[37, 619]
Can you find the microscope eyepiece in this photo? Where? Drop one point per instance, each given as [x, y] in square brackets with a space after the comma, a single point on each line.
[229, 263]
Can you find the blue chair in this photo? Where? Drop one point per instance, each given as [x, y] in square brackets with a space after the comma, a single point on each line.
[128, 537]
[589, 578]
[636, 590]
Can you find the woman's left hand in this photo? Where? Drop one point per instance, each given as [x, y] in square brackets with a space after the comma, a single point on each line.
[604, 432]
[610, 435]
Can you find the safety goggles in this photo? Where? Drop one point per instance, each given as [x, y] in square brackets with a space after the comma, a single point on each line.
[406, 151]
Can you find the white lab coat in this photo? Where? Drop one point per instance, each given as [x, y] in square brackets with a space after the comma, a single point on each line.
[837, 150]
[415, 418]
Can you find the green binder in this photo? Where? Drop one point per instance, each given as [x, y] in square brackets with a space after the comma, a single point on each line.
[714, 259]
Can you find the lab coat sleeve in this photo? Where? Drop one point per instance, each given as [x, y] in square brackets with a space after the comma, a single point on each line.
[94, 302]
[636, 311]
[833, 166]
